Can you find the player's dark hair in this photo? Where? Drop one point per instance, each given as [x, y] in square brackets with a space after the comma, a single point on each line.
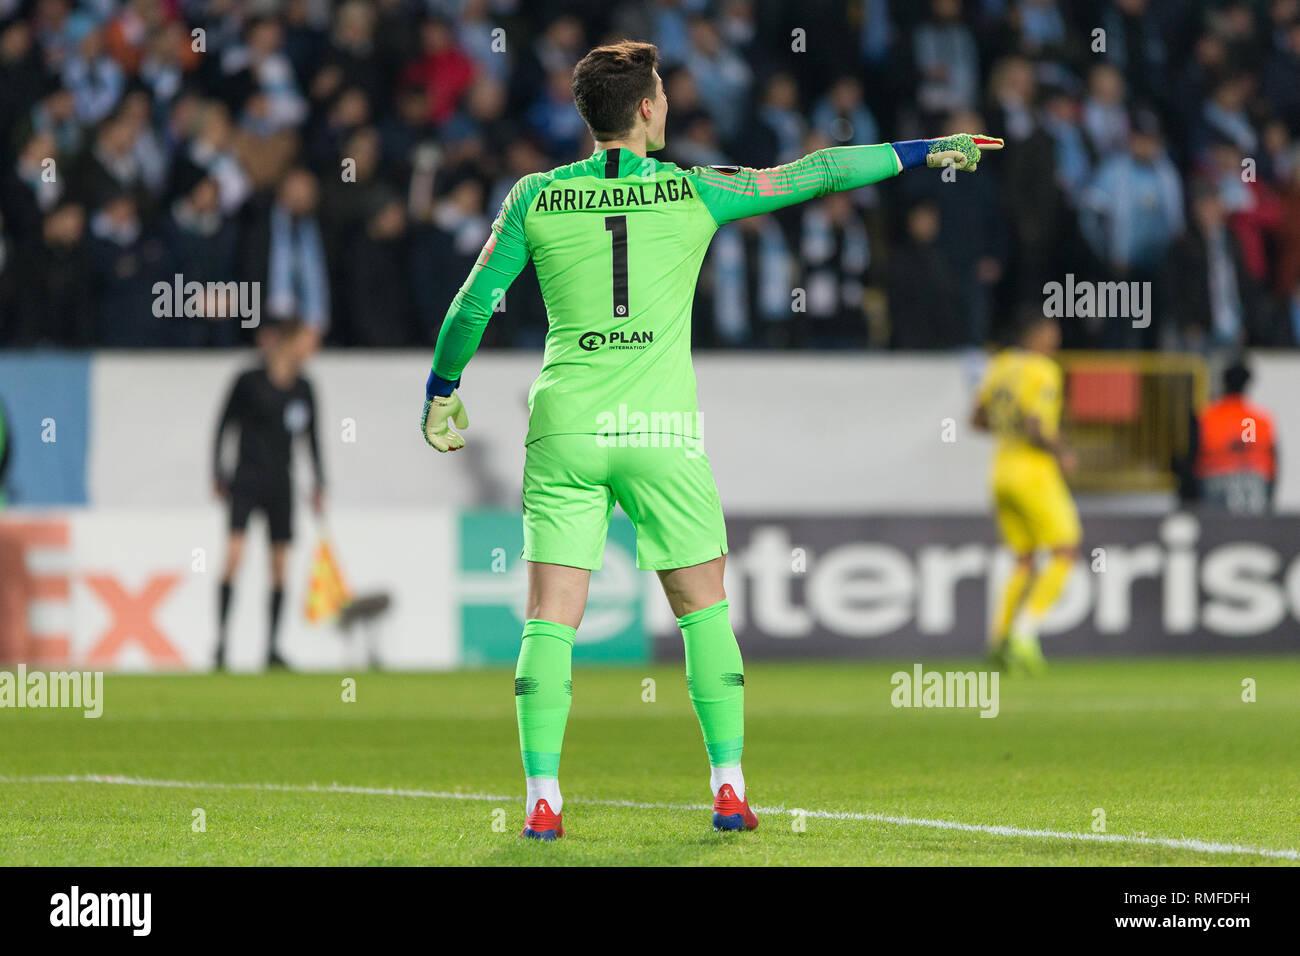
[1236, 377]
[610, 82]
[1028, 319]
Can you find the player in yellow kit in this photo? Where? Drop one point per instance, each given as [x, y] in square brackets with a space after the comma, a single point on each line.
[1019, 401]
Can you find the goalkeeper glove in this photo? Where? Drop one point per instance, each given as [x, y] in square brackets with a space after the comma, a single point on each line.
[961, 151]
[437, 410]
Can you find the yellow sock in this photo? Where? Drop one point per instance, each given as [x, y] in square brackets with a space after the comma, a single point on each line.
[1048, 587]
[1012, 593]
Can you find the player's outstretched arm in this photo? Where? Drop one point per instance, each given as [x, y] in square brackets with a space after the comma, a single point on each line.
[734, 192]
[503, 257]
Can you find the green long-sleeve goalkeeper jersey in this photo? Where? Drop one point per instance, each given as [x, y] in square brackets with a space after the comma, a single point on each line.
[617, 241]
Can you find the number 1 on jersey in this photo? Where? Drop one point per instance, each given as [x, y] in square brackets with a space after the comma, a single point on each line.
[617, 227]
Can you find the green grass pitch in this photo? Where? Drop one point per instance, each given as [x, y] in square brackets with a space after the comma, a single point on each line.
[424, 769]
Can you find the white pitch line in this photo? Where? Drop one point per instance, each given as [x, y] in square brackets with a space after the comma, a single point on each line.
[1181, 843]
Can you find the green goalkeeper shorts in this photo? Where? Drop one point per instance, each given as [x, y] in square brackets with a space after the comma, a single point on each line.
[572, 482]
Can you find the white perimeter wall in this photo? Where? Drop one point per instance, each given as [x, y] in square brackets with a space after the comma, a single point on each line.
[818, 435]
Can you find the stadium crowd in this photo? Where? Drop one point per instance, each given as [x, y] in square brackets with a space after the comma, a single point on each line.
[349, 158]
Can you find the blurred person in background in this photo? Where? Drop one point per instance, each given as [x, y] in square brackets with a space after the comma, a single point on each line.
[111, 166]
[442, 68]
[1280, 78]
[285, 252]
[270, 406]
[924, 310]
[31, 187]
[947, 59]
[843, 118]
[835, 255]
[1236, 460]
[1135, 43]
[453, 236]
[94, 77]
[127, 260]
[57, 301]
[56, 114]
[1132, 213]
[775, 131]
[377, 278]
[1011, 97]
[211, 146]
[1214, 302]
[752, 274]
[976, 259]
[1105, 117]
[1019, 402]
[721, 76]
[326, 143]
[203, 245]
[260, 70]
[1253, 209]
[21, 80]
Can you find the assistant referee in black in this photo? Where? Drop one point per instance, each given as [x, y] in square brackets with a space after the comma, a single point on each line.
[270, 405]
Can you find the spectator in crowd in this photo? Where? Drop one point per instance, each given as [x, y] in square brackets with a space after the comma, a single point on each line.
[947, 58]
[377, 286]
[455, 234]
[212, 148]
[260, 67]
[94, 77]
[842, 118]
[204, 247]
[1215, 302]
[1105, 118]
[127, 261]
[439, 106]
[56, 305]
[721, 76]
[285, 254]
[1132, 213]
[1135, 43]
[112, 166]
[1224, 115]
[1280, 80]
[975, 260]
[835, 254]
[750, 268]
[776, 129]
[21, 79]
[924, 311]
[442, 69]
[1254, 210]
[31, 187]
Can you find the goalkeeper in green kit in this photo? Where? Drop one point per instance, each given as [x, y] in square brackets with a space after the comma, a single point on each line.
[617, 241]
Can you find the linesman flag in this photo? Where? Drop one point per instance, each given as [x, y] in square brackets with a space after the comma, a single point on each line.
[327, 595]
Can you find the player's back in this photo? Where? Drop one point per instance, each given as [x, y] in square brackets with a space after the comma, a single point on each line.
[617, 241]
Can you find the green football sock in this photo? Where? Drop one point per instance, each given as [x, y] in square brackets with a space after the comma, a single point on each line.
[715, 680]
[543, 691]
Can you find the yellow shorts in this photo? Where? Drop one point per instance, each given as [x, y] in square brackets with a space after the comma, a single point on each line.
[1033, 504]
